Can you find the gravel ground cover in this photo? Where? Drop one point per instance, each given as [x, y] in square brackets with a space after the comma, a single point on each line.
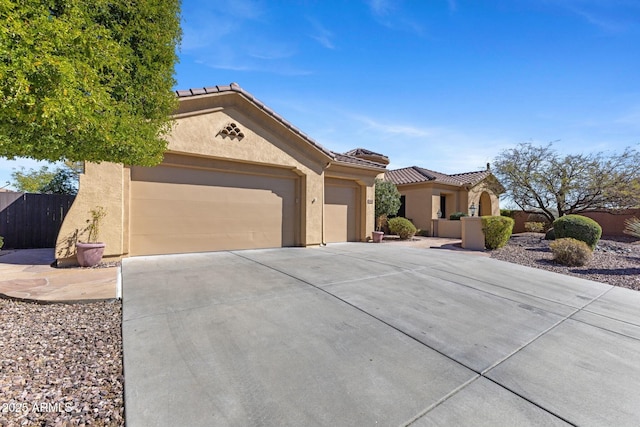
[616, 260]
[61, 364]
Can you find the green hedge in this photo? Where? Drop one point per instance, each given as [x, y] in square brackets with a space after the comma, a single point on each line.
[497, 231]
[578, 227]
[456, 216]
[402, 227]
[1, 241]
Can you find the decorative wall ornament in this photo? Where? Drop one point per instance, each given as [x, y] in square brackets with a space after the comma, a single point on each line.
[232, 131]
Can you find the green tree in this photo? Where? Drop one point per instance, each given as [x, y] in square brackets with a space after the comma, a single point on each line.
[65, 181]
[62, 180]
[87, 79]
[539, 179]
[387, 200]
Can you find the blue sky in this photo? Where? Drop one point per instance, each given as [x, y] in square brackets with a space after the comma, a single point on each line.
[442, 84]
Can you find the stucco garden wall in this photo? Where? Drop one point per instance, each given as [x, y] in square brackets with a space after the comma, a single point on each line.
[101, 185]
[612, 223]
[447, 228]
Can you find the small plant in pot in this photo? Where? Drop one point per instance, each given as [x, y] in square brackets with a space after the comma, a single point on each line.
[387, 204]
[90, 253]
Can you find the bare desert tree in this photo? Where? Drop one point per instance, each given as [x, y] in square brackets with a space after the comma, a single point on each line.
[539, 179]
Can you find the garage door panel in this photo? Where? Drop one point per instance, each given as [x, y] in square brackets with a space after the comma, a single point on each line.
[341, 212]
[337, 224]
[204, 212]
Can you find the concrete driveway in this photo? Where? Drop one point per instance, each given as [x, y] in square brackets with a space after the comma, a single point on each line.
[363, 334]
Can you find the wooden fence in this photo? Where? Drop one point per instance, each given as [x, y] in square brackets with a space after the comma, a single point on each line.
[32, 220]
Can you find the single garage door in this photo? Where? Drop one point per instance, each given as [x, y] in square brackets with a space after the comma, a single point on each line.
[179, 209]
[341, 210]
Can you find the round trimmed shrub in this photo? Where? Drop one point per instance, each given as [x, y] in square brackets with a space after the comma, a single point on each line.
[402, 227]
[571, 252]
[578, 227]
[497, 231]
[550, 234]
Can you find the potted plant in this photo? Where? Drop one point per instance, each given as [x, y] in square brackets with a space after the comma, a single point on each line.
[90, 253]
[387, 204]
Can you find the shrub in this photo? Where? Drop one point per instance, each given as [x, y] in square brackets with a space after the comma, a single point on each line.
[1, 242]
[456, 216]
[578, 227]
[497, 231]
[632, 227]
[534, 226]
[402, 227]
[571, 252]
[537, 217]
[550, 234]
[387, 200]
[508, 213]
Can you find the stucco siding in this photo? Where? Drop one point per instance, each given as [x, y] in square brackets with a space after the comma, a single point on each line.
[418, 206]
[235, 175]
[101, 185]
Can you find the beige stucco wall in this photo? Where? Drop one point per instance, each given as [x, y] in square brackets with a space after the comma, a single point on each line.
[475, 194]
[422, 201]
[472, 234]
[105, 185]
[448, 228]
[418, 205]
[265, 142]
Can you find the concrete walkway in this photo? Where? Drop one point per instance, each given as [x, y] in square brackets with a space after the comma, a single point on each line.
[364, 334]
[27, 274]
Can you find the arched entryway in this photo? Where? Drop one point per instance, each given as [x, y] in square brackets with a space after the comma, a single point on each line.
[485, 207]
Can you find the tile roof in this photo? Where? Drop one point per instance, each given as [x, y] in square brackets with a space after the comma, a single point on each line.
[345, 158]
[234, 87]
[363, 152]
[415, 174]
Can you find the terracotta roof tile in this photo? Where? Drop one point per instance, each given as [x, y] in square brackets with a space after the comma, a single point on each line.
[363, 152]
[344, 158]
[415, 174]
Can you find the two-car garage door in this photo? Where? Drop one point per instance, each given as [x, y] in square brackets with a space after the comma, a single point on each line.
[178, 209]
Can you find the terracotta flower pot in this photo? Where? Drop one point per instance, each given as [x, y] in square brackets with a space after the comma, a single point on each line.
[377, 236]
[89, 254]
